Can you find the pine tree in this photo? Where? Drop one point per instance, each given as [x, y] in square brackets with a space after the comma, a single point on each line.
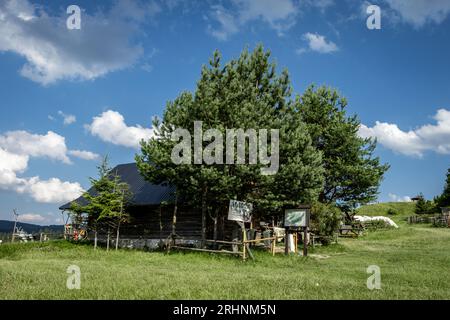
[352, 172]
[444, 199]
[105, 202]
[245, 93]
[424, 206]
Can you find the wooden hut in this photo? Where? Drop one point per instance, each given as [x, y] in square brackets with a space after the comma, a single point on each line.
[151, 210]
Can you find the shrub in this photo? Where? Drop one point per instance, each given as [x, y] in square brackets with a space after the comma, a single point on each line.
[325, 220]
[391, 212]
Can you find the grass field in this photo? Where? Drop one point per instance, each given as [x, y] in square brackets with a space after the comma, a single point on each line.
[414, 262]
[403, 209]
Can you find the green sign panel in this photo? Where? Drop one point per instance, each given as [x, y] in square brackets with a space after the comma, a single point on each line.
[296, 218]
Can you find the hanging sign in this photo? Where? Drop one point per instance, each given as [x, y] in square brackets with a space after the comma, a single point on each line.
[240, 211]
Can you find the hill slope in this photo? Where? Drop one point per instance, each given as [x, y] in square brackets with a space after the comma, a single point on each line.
[381, 209]
[7, 226]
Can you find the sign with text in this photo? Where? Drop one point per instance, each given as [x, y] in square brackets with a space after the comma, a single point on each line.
[240, 211]
[296, 218]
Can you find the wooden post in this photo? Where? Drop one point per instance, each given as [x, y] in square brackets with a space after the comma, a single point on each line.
[274, 243]
[296, 242]
[160, 224]
[305, 242]
[244, 245]
[215, 218]
[204, 209]
[117, 236]
[286, 242]
[15, 224]
[235, 237]
[95, 239]
[107, 241]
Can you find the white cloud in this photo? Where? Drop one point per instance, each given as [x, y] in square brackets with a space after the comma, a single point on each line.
[50, 145]
[31, 217]
[103, 44]
[52, 190]
[17, 147]
[228, 23]
[278, 14]
[318, 43]
[45, 191]
[420, 12]
[85, 155]
[13, 162]
[110, 127]
[430, 137]
[395, 198]
[67, 118]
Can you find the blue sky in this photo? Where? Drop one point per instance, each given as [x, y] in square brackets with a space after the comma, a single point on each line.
[70, 96]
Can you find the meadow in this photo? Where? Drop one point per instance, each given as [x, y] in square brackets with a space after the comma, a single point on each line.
[414, 261]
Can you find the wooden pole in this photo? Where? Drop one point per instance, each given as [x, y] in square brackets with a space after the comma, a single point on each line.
[244, 245]
[274, 243]
[117, 236]
[204, 193]
[15, 225]
[296, 242]
[305, 242]
[160, 224]
[174, 219]
[235, 237]
[120, 218]
[107, 241]
[95, 239]
[286, 242]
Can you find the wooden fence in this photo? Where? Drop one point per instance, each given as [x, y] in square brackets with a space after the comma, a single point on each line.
[442, 220]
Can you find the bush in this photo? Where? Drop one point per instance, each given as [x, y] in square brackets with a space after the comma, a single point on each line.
[391, 212]
[425, 206]
[325, 220]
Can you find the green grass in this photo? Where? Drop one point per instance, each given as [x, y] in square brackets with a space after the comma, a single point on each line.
[414, 262]
[380, 209]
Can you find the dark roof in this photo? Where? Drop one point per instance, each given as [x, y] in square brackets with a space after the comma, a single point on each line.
[143, 192]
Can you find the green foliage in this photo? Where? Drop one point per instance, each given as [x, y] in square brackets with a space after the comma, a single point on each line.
[352, 172]
[391, 212]
[325, 220]
[444, 199]
[106, 201]
[424, 206]
[244, 93]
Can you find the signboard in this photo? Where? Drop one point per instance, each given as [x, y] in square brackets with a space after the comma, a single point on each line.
[240, 211]
[296, 218]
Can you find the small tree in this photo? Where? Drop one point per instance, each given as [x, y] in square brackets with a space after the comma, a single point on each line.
[105, 201]
[444, 199]
[325, 220]
[424, 206]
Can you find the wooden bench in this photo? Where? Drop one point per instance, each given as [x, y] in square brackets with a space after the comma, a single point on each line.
[351, 230]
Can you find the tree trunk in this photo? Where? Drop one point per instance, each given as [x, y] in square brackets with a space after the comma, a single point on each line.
[216, 218]
[117, 236]
[204, 209]
[107, 241]
[160, 226]
[174, 218]
[95, 239]
[235, 237]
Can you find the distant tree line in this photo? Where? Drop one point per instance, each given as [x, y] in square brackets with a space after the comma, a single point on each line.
[424, 206]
